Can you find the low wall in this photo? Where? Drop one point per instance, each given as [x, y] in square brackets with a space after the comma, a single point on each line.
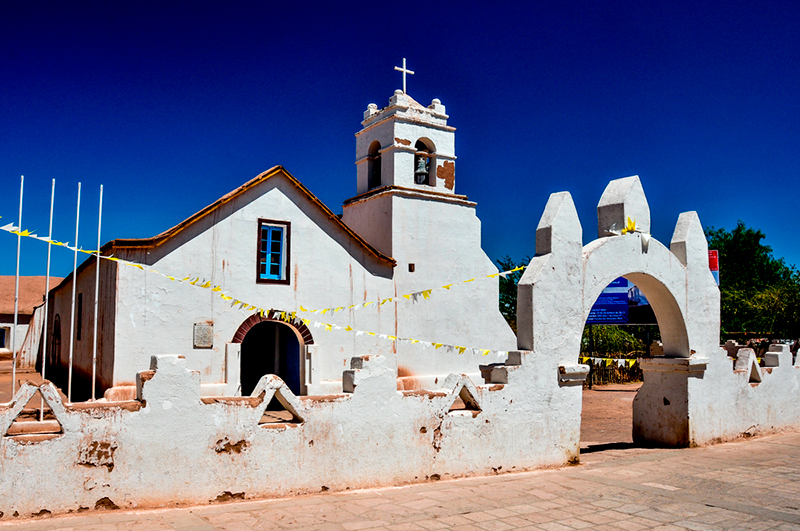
[172, 446]
[704, 400]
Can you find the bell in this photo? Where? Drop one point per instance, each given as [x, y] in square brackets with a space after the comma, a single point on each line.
[421, 173]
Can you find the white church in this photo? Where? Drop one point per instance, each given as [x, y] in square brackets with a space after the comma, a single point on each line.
[272, 242]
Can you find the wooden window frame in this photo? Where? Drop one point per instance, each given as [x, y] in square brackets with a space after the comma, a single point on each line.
[287, 227]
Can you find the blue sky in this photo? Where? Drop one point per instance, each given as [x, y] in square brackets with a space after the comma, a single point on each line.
[171, 105]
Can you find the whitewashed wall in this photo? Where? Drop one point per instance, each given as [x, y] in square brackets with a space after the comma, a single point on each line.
[174, 447]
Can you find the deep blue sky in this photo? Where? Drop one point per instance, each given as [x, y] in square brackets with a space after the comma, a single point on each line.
[171, 106]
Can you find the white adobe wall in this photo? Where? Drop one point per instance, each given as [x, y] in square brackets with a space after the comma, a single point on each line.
[327, 269]
[173, 447]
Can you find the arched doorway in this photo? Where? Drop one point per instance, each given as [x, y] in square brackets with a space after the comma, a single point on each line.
[272, 344]
[270, 347]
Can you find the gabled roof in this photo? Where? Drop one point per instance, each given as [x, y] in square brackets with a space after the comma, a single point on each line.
[31, 293]
[272, 172]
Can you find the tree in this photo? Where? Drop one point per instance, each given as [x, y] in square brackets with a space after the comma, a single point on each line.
[759, 292]
[508, 288]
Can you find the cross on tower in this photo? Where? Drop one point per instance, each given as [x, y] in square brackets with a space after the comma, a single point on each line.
[405, 71]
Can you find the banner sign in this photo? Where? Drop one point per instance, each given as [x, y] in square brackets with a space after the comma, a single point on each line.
[611, 307]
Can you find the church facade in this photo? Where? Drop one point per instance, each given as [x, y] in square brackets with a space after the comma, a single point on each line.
[272, 243]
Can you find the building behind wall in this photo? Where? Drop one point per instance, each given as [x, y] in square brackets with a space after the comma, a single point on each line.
[273, 244]
[31, 295]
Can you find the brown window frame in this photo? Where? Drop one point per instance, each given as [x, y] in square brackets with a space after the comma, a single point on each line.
[286, 252]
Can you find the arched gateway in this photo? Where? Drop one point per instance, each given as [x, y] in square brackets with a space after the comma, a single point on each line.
[271, 344]
[564, 279]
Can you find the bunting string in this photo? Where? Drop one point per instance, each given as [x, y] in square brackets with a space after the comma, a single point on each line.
[607, 362]
[291, 317]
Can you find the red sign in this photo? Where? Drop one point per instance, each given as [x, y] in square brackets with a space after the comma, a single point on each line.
[713, 264]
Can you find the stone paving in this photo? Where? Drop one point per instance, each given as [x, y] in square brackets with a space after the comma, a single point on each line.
[753, 484]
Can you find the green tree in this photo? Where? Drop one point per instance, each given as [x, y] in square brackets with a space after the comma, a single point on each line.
[508, 288]
[759, 292]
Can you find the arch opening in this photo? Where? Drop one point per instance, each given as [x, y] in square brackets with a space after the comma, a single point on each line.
[614, 337]
[424, 161]
[374, 165]
[271, 347]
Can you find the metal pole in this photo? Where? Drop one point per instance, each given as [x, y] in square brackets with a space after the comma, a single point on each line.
[96, 292]
[47, 296]
[16, 296]
[72, 311]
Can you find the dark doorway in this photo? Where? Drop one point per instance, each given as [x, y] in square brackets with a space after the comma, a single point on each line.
[270, 347]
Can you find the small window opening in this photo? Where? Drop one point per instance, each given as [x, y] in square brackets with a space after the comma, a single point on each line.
[410, 268]
[374, 166]
[422, 163]
[80, 316]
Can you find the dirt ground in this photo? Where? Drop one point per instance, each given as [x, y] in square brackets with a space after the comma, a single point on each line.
[606, 418]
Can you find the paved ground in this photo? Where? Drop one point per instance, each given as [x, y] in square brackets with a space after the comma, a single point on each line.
[753, 485]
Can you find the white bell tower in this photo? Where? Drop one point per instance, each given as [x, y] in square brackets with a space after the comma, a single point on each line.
[407, 145]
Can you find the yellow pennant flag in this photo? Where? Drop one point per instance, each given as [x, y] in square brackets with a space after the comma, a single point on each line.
[470, 280]
[340, 308]
[206, 285]
[630, 363]
[437, 346]
[461, 349]
[485, 352]
[302, 309]
[225, 297]
[414, 340]
[136, 265]
[393, 338]
[407, 297]
[305, 321]
[493, 275]
[217, 288]
[427, 293]
[607, 362]
[328, 327]
[323, 312]
[371, 333]
[447, 286]
[348, 328]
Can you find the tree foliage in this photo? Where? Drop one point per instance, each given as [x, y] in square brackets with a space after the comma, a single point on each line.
[508, 288]
[759, 292]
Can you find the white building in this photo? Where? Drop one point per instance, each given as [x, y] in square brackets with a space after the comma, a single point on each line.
[272, 243]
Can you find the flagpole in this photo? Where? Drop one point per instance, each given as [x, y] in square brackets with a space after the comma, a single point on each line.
[74, 283]
[16, 296]
[47, 295]
[96, 292]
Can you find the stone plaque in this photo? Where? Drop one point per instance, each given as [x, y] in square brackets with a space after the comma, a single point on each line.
[203, 335]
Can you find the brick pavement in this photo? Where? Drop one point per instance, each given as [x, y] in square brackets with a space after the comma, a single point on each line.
[752, 484]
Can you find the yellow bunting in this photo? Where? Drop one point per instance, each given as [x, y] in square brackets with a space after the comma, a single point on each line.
[407, 297]
[485, 352]
[348, 328]
[112, 258]
[135, 265]
[368, 303]
[340, 308]
[328, 327]
[384, 301]
[206, 285]
[195, 281]
[414, 340]
[302, 309]
[217, 288]
[631, 362]
[371, 333]
[323, 312]
[447, 286]
[607, 362]
[305, 321]
[470, 280]
[461, 349]
[393, 338]
[437, 346]
[225, 297]
[427, 293]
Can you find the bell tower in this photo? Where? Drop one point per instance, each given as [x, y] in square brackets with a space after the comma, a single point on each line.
[406, 145]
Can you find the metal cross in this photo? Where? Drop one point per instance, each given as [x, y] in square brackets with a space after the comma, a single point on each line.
[405, 71]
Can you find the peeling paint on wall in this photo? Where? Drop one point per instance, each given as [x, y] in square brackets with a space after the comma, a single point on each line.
[447, 171]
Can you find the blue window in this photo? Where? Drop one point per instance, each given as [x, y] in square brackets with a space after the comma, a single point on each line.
[273, 251]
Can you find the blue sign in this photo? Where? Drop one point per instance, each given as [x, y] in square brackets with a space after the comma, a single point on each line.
[611, 307]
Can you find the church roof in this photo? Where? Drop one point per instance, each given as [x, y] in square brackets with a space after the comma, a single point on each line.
[272, 172]
[31, 293]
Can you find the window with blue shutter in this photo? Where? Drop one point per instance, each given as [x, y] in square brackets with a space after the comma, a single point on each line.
[273, 251]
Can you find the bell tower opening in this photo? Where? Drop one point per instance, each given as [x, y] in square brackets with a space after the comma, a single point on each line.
[374, 165]
[422, 162]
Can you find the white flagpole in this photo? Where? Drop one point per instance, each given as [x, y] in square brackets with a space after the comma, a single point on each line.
[16, 296]
[74, 283]
[96, 292]
[47, 295]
